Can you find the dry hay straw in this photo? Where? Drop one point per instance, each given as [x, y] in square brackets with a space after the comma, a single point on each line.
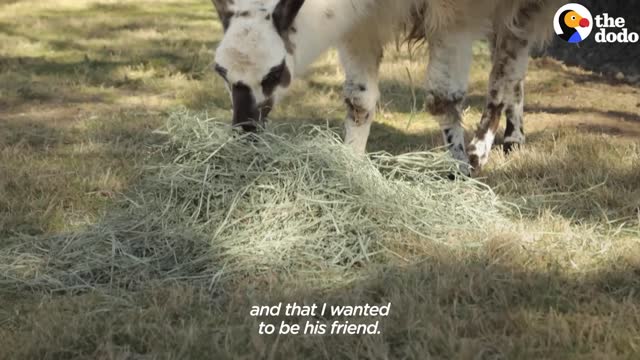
[224, 206]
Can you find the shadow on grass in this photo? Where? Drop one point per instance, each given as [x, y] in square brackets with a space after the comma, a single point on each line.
[562, 110]
[34, 135]
[51, 175]
[586, 178]
[481, 305]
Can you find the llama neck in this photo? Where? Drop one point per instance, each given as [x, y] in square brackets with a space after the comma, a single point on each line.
[321, 24]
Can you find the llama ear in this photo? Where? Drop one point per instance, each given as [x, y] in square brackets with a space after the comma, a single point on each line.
[285, 12]
[222, 7]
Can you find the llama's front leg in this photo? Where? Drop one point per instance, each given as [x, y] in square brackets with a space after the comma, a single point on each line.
[361, 62]
[506, 92]
[450, 57]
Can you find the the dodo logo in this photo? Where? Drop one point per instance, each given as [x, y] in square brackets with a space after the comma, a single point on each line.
[573, 23]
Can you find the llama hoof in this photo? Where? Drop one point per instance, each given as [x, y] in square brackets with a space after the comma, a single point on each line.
[463, 172]
[454, 176]
[464, 169]
[476, 163]
[509, 147]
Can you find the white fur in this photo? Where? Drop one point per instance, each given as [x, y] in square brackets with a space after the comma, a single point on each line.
[252, 46]
[483, 147]
[356, 136]
[360, 57]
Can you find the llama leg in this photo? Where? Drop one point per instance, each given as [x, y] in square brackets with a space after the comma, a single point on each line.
[514, 131]
[361, 61]
[510, 61]
[450, 59]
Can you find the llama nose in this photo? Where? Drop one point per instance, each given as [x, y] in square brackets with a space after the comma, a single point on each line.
[584, 23]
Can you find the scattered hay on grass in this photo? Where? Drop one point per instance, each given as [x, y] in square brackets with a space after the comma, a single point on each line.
[289, 201]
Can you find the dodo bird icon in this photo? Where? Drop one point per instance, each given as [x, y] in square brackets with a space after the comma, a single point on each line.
[570, 22]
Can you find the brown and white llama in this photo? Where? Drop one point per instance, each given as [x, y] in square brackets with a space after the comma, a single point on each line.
[267, 42]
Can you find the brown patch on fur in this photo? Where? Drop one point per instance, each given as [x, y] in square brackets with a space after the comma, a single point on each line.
[490, 119]
[522, 42]
[445, 105]
[498, 73]
[517, 90]
[474, 160]
[288, 44]
[415, 30]
[358, 114]
[528, 11]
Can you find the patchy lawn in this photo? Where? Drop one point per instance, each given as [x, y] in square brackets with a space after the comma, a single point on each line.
[84, 87]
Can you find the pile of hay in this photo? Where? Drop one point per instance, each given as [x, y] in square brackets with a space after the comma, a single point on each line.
[286, 201]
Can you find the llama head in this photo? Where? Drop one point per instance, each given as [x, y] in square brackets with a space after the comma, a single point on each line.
[255, 55]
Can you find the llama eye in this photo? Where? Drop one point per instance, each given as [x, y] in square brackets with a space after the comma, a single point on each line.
[274, 75]
[274, 78]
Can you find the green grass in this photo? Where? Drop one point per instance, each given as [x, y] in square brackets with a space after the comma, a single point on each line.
[85, 84]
